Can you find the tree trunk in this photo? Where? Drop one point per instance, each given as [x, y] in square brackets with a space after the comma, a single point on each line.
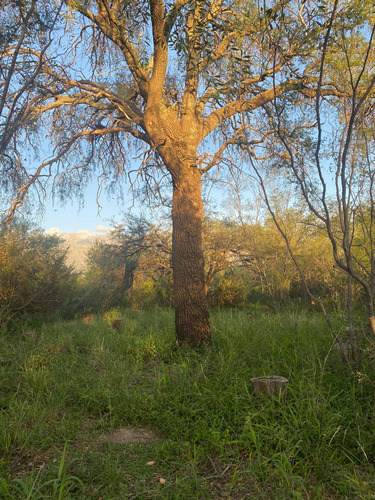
[190, 301]
[372, 324]
[371, 313]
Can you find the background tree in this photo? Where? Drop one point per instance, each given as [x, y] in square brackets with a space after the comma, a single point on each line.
[129, 265]
[221, 240]
[174, 76]
[264, 254]
[103, 278]
[34, 275]
[330, 142]
[246, 262]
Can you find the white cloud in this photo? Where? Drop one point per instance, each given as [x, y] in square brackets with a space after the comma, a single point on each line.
[84, 234]
[53, 230]
[101, 229]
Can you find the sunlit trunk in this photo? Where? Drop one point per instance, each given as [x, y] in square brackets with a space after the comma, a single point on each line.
[190, 301]
[370, 309]
[372, 324]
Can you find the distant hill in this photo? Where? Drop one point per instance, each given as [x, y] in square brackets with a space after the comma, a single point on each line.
[79, 243]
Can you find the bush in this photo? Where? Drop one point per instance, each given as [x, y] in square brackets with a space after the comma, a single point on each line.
[34, 275]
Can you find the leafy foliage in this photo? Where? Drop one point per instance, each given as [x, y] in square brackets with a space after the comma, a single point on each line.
[244, 263]
[34, 276]
[133, 266]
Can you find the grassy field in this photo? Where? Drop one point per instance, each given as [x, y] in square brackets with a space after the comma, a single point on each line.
[87, 412]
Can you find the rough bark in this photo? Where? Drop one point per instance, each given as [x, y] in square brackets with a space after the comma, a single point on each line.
[178, 144]
[190, 300]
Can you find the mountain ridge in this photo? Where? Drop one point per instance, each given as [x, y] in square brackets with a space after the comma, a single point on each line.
[78, 244]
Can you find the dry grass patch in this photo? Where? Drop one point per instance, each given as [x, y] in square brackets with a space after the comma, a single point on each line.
[130, 435]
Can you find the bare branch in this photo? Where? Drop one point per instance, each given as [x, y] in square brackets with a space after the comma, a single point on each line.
[116, 31]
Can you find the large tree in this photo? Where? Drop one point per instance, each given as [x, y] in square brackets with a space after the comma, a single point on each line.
[185, 78]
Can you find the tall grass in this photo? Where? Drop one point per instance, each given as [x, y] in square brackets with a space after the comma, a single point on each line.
[76, 381]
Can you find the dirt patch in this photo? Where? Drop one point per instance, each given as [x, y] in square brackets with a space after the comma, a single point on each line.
[130, 435]
[22, 465]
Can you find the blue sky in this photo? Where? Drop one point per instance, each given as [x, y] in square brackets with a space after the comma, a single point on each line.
[71, 217]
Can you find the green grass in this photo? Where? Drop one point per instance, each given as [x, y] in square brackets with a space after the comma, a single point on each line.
[77, 381]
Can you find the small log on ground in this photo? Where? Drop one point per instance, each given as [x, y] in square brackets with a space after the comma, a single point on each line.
[272, 385]
[117, 323]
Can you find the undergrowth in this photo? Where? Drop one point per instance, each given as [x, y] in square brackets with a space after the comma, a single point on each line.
[68, 383]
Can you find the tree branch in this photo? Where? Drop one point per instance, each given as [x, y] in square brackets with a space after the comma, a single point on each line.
[117, 33]
[172, 15]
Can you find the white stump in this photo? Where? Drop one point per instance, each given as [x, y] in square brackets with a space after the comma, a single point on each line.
[272, 385]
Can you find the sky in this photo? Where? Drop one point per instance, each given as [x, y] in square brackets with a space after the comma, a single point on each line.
[84, 214]
[72, 216]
